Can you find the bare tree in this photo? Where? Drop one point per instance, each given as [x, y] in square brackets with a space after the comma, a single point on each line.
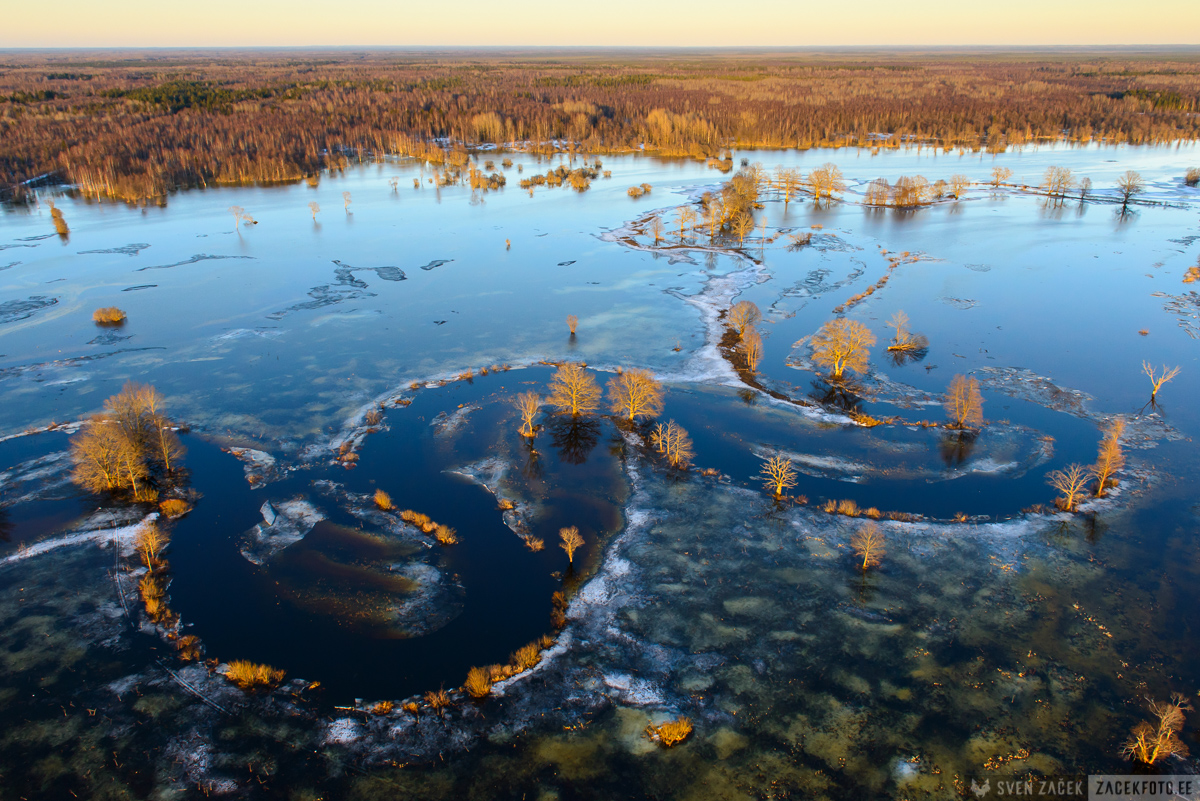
[1071, 482]
[905, 339]
[314, 207]
[572, 323]
[868, 543]
[742, 315]
[1130, 183]
[842, 345]
[673, 442]
[879, 193]
[959, 184]
[964, 403]
[95, 452]
[635, 393]
[1085, 187]
[656, 228]
[1148, 743]
[778, 475]
[1157, 379]
[1000, 176]
[573, 390]
[910, 191]
[150, 543]
[740, 226]
[686, 218]
[571, 539]
[346, 201]
[825, 180]
[789, 182]
[1057, 181]
[527, 404]
[1110, 459]
[237, 212]
[752, 349]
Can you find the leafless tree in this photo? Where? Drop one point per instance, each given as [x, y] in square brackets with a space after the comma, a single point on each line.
[150, 543]
[313, 207]
[959, 184]
[1110, 459]
[346, 201]
[527, 404]
[1000, 176]
[673, 442]
[573, 390]
[1130, 183]
[964, 403]
[826, 180]
[1071, 482]
[572, 323]
[571, 540]
[635, 393]
[778, 475]
[238, 212]
[1057, 181]
[842, 345]
[742, 315]
[752, 349]
[1157, 379]
[656, 228]
[789, 182]
[868, 543]
[686, 218]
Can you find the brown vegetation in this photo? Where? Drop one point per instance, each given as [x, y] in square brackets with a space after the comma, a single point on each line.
[437, 700]
[572, 323]
[383, 708]
[130, 446]
[174, 507]
[778, 475]
[135, 129]
[253, 676]
[905, 339]
[635, 393]
[383, 500]
[670, 733]
[964, 403]
[1192, 178]
[534, 544]
[1130, 183]
[673, 442]
[445, 535]
[842, 345]
[752, 349]
[108, 315]
[571, 539]
[150, 543]
[868, 544]
[478, 683]
[60, 223]
[1148, 743]
[573, 390]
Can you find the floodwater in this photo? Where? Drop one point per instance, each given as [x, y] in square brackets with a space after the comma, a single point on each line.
[996, 643]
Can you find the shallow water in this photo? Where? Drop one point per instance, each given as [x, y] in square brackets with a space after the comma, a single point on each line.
[829, 679]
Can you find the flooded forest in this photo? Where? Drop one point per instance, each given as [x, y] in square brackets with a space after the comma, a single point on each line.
[551, 426]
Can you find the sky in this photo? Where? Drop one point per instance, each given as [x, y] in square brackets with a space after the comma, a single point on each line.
[640, 23]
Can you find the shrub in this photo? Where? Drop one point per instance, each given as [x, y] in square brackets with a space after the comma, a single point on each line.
[383, 500]
[534, 543]
[446, 535]
[437, 700]
[526, 657]
[174, 507]
[848, 508]
[479, 682]
[670, 733]
[1193, 176]
[374, 417]
[383, 707]
[188, 647]
[109, 315]
[252, 676]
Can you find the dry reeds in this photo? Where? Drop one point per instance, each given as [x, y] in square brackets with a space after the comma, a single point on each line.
[526, 657]
[445, 535]
[188, 647]
[437, 700]
[478, 683]
[109, 315]
[253, 676]
[847, 507]
[534, 543]
[383, 708]
[174, 507]
[383, 500]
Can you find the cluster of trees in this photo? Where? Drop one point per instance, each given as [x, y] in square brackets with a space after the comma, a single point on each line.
[129, 448]
[1073, 480]
[742, 320]
[137, 130]
[909, 192]
[634, 396]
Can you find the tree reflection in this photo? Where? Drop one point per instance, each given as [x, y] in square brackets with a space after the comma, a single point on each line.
[956, 447]
[841, 395]
[574, 437]
[532, 468]
[907, 356]
[748, 396]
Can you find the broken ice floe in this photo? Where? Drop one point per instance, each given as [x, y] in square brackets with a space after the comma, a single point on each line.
[284, 523]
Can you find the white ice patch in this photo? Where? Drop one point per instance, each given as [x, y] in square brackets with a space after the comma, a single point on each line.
[634, 691]
[342, 731]
[122, 536]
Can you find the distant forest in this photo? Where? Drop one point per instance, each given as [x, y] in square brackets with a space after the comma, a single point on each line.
[137, 126]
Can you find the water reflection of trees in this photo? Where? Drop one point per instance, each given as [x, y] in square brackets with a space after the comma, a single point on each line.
[957, 447]
[842, 395]
[532, 469]
[574, 437]
[907, 356]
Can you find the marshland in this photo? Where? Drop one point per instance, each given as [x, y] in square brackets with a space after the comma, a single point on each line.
[815, 471]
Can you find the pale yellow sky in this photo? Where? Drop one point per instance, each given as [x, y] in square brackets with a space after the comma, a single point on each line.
[171, 23]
